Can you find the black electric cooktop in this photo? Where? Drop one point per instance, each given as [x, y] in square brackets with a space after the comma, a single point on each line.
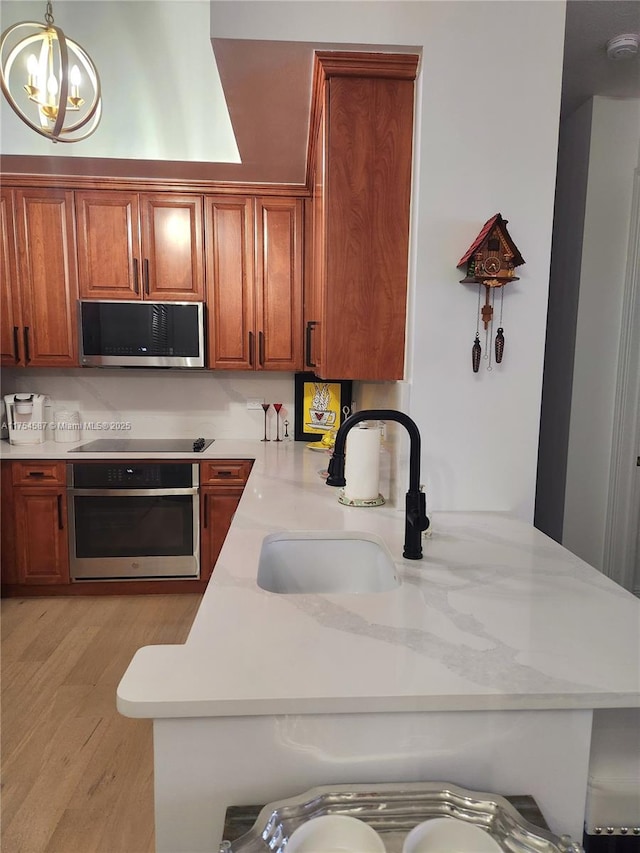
[144, 445]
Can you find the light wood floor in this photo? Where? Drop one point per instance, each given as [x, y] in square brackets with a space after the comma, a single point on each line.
[77, 777]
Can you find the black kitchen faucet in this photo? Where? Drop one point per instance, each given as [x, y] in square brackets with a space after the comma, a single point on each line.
[416, 513]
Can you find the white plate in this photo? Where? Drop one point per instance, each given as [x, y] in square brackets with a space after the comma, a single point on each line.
[335, 833]
[449, 835]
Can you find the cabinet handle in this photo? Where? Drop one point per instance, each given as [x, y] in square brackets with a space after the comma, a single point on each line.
[145, 269]
[136, 282]
[251, 348]
[225, 473]
[311, 324]
[35, 474]
[205, 512]
[16, 353]
[27, 356]
[261, 348]
[60, 521]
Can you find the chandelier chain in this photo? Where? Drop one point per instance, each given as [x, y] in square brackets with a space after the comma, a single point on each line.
[48, 15]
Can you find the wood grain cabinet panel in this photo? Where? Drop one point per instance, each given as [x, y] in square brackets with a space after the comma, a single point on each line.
[108, 244]
[10, 317]
[41, 545]
[40, 286]
[38, 473]
[357, 300]
[217, 509]
[222, 482]
[140, 245]
[254, 262]
[230, 281]
[172, 246]
[226, 472]
[279, 260]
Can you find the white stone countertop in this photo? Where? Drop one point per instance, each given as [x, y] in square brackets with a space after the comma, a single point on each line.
[495, 616]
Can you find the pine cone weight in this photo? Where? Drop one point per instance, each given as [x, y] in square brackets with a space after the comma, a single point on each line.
[499, 345]
[476, 352]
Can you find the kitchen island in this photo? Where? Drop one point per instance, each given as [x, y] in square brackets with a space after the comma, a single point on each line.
[482, 668]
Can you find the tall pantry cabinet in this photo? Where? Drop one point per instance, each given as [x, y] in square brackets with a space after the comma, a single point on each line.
[361, 157]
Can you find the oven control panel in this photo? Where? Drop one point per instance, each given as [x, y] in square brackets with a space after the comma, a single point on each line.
[134, 475]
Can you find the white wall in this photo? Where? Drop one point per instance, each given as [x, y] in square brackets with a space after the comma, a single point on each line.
[614, 155]
[148, 55]
[486, 142]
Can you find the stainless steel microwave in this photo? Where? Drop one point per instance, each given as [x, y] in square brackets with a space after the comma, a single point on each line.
[140, 333]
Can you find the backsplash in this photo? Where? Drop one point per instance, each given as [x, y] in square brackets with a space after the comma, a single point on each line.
[181, 404]
[189, 404]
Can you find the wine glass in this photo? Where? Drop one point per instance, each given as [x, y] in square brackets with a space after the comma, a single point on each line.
[277, 407]
[265, 407]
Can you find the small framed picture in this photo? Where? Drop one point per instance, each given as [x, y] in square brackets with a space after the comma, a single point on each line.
[320, 405]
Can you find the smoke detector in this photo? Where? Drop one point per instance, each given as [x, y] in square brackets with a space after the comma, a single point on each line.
[624, 46]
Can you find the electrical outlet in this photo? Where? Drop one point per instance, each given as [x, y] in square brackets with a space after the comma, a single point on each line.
[254, 403]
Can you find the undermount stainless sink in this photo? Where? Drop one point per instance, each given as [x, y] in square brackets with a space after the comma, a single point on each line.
[325, 562]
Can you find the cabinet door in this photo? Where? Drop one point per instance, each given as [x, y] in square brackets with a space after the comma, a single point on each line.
[42, 550]
[365, 217]
[10, 320]
[217, 509]
[367, 228]
[47, 275]
[230, 296]
[7, 526]
[279, 228]
[314, 284]
[109, 257]
[172, 247]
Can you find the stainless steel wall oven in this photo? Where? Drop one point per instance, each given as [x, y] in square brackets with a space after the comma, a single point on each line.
[133, 520]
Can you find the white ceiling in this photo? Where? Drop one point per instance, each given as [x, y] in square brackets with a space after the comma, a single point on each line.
[587, 70]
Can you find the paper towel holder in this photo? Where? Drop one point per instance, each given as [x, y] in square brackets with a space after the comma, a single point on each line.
[343, 499]
[366, 502]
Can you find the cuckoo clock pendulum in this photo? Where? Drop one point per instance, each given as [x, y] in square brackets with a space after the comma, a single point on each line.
[490, 263]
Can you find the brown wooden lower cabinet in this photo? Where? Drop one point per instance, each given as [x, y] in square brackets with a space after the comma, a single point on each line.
[42, 547]
[34, 533]
[217, 507]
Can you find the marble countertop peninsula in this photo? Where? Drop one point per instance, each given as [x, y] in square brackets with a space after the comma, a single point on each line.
[495, 616]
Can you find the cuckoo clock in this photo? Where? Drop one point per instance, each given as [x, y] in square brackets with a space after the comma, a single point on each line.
[490, 261]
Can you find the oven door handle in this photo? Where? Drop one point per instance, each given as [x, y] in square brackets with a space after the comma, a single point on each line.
[143, 493]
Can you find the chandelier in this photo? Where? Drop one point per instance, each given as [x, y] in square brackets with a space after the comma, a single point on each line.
[44, 77]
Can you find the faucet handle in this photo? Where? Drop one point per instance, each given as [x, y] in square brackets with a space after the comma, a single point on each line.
[423, 520]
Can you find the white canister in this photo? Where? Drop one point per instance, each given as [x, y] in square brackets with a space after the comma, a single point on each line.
[67, 426]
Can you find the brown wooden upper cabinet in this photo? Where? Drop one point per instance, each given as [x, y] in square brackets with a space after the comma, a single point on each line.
[39, 280]
[360, 160]
[140, 246]
[254, 282]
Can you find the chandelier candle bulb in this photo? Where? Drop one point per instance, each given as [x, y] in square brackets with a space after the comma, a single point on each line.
[362, 463]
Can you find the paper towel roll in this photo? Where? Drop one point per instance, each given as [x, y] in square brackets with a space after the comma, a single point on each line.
[362, 463]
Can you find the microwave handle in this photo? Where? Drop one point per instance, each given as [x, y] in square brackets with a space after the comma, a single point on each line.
[136, 282]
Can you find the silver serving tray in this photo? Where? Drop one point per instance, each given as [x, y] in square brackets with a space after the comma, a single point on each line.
[393, 810]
